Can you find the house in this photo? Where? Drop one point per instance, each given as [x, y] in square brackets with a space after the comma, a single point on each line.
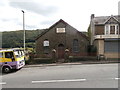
[61, 39]
[105, 37]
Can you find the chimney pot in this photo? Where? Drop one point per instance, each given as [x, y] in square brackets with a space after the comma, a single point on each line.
[92, 16]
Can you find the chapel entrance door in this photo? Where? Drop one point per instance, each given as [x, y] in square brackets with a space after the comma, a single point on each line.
[61, 51]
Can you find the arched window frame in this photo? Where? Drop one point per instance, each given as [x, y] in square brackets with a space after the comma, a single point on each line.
[75, 45]
[46, 46]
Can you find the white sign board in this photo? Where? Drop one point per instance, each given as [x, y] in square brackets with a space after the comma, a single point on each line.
[46, 43]
[60, 30]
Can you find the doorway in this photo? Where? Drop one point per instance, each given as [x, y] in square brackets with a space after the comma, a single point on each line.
[61, 51]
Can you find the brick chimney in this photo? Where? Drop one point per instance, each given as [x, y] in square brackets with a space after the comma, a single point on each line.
[92, 16]
[92, 28]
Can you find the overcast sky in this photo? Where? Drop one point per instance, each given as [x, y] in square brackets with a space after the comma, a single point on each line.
[41, 14]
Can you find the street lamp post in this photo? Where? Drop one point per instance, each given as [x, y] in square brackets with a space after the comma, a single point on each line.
[24, 28]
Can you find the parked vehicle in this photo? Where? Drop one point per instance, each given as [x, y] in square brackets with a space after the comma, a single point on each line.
[11, 59]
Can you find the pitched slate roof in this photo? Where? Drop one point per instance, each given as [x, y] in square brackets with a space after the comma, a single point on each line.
[103, 19]
[46, 30]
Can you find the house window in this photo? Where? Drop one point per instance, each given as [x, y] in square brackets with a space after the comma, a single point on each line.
[46, 46]
[117, 29]
[75, 45]
[107, 29]
[111, 29]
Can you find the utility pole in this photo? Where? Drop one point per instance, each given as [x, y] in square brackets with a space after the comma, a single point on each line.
[24, 28]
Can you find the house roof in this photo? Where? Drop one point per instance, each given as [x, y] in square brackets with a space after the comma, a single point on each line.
[46, 30]
[103, 19]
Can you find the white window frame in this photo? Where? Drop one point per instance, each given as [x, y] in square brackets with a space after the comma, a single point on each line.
[46, 43]
[107, 29]
[117, 29]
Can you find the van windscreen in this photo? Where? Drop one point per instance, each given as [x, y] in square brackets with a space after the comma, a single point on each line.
[17, 53]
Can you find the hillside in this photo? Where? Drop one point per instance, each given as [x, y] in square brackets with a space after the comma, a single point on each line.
[14, 39]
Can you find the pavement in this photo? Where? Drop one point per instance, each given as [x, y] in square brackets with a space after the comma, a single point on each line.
[73, 63]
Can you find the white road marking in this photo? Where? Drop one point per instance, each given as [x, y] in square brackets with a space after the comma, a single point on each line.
[53, 81]
[3, 83]
[116, 78]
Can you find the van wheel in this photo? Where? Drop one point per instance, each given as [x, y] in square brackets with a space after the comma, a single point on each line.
[6, 69]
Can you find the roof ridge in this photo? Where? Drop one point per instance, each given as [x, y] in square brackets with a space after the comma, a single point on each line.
[103, 19]
[61, 20]
[46, 30]
[107, 16]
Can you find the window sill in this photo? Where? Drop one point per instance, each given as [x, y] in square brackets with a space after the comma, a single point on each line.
[106, 36]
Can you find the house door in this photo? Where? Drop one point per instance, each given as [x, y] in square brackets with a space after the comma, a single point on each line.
[61, 51]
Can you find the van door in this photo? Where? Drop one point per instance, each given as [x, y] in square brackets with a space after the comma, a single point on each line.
[9, 57]
[1, 58]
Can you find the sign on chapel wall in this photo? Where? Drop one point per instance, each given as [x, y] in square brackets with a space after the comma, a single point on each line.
[60, 30]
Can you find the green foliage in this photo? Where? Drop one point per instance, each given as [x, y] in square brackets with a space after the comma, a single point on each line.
[14, 39]
[89, 32]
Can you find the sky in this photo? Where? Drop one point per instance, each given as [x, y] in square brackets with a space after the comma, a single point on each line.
[41, 14]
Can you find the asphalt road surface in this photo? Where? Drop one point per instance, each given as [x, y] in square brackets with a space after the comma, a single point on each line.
[66, 76]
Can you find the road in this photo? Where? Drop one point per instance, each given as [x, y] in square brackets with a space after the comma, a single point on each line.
[64, 76]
